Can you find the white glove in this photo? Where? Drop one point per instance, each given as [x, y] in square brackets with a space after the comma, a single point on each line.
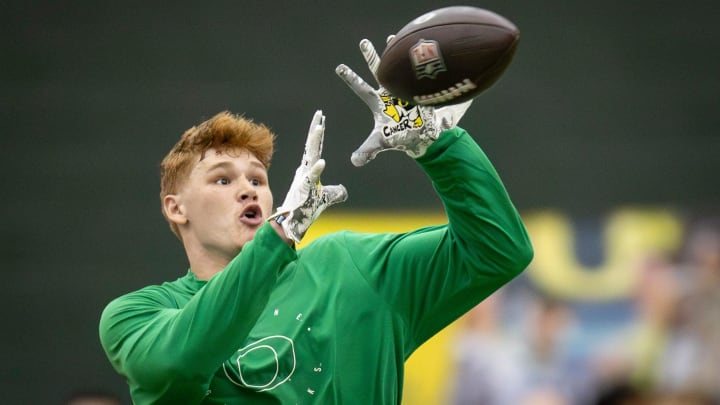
[307, 198]
[398, 124]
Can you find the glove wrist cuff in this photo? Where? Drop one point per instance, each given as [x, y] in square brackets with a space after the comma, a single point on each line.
[278, 217]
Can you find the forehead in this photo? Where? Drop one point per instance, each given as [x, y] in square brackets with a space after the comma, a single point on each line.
[239, 157]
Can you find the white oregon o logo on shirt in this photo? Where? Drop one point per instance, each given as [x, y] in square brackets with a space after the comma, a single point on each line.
[270, 347]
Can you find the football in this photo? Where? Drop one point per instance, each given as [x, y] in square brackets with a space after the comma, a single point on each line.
[448, 55]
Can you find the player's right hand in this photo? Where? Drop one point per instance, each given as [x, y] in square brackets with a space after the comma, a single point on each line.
[307, 198]
[398, 124]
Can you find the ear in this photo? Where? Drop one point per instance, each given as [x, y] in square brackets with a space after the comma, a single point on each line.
[174, 210]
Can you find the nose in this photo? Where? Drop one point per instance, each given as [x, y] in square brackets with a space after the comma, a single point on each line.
[246, 190]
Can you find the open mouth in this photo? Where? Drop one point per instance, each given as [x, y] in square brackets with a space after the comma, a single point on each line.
[251, 215]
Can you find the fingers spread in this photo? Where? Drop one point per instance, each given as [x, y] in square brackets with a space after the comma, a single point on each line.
[356, 83]
[334, 194]
[375, 143]
[314, 143]
[370, 55]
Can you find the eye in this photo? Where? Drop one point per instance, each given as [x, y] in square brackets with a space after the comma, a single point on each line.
[223, 181]
[255, 182]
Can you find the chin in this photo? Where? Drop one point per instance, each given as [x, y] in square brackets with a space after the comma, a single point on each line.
[247, 237]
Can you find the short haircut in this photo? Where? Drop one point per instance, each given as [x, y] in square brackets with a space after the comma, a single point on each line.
[224, 132]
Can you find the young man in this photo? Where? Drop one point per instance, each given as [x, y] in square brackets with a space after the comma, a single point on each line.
[255, 321]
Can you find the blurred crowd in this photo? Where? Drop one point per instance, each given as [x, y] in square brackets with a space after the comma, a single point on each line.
[660, 345]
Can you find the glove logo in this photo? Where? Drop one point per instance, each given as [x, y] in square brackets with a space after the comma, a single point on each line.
[404, 118]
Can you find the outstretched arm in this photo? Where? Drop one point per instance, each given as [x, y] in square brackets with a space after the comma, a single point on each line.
[433, 275]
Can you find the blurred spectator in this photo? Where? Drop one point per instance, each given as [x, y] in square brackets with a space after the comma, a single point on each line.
[497, 367]
[627, 363]
[548, 365]
[692, 361]
[487, 359]
[636, 351]
[656, 300]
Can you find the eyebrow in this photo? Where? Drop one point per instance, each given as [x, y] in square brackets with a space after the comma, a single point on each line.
[219, 165]
[228, 165]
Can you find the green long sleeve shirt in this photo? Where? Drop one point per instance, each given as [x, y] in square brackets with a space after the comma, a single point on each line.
[333, 322]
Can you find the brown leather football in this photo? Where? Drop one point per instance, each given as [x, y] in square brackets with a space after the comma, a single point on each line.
[448, 55]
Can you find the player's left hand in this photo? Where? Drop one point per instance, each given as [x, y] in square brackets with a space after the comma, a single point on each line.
[307, 198]
[398, 124]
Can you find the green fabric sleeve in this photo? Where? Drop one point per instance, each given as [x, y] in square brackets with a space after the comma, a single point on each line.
[171, 354]
[434, 275]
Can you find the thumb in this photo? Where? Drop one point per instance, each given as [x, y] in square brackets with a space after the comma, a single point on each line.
[369, 149]
[334, 194]
[315, 171]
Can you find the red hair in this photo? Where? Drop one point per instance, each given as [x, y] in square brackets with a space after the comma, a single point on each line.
[223, 132]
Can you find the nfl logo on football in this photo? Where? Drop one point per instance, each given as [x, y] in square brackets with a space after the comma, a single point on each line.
[426, 59]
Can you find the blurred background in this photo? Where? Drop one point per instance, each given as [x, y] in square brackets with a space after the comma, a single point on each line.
[604, 130]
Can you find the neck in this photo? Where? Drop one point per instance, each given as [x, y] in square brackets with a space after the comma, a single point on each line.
[205, 264]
